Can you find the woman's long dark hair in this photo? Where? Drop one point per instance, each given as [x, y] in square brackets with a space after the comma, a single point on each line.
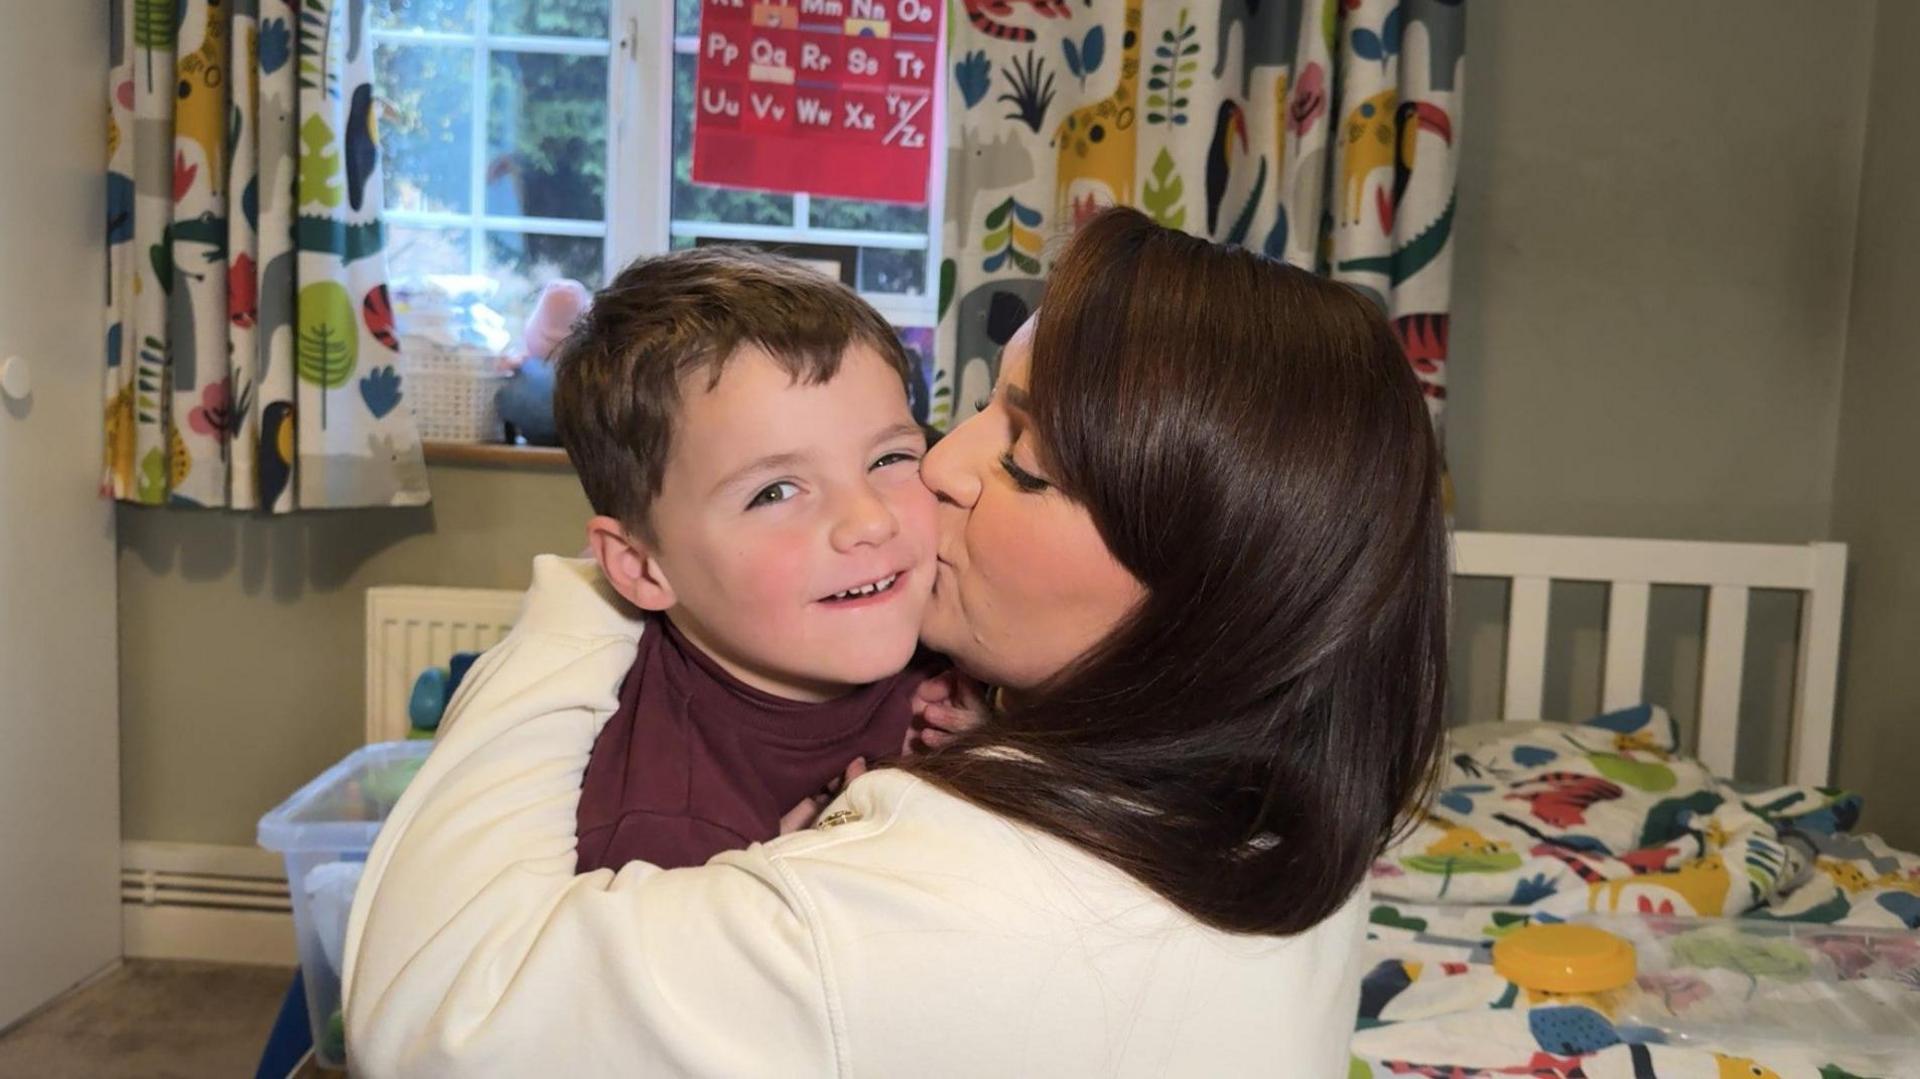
[1253, 447]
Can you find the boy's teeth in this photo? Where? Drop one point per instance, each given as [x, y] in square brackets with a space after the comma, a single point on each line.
[867, 590]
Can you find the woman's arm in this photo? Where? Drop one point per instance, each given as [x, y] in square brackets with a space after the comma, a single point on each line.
[474, 949]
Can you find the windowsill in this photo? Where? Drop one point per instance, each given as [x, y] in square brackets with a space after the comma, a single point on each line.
[496, 455]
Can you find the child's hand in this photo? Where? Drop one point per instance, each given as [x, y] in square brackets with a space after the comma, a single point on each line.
[943, 707]
[801, 817]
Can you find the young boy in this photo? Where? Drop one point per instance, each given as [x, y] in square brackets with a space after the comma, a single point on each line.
[741, 426]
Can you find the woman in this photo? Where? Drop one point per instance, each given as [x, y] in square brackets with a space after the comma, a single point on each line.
[1195, 538]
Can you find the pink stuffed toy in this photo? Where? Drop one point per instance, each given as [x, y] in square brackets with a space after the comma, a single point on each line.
[526, 400]
[561, 302]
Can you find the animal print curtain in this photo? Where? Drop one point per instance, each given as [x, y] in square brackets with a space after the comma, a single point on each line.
[1319, 131]
[251, 356]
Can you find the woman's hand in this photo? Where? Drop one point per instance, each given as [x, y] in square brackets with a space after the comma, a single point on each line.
[943, 707]
[802, 816]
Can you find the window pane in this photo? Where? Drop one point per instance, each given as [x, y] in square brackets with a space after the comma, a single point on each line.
[522, 262]
[562, 18]
[547, 136]
[888, 270]
[699, 202]
[686, 17]
[455, 15]
[416, 252]
[426, 125]
[875, 216]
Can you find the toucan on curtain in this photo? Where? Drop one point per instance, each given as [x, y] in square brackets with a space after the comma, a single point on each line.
[1319, 131]
[251, 356]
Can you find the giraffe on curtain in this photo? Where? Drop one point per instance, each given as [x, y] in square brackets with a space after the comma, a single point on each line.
[1322, 132]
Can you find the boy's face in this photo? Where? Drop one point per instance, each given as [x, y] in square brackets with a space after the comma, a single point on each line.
[778, 498]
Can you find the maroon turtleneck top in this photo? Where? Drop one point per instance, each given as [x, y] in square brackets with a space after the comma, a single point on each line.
[695, 761]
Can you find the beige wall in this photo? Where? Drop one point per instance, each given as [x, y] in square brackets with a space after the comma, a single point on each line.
[241, 643]
[1655, 242]
[59, 754]
[1876, 495]
[1651, 289]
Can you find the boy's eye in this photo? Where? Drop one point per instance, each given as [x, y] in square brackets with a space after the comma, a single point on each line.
[774, 492]
[895, 458]
[1022, 479]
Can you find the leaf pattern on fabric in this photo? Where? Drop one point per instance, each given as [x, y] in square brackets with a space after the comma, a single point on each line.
[229, 183]
[1013, 235]
[1173, 68]
[319, 164]
[329, 343]
[276, 45]
[1161, 197]
[973, 76]
[1125, 111]
[1029, 90]
[381, 390]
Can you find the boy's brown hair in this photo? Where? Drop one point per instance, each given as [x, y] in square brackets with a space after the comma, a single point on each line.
[668, 317]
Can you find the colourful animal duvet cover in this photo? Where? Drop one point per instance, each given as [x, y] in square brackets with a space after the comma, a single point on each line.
[1550, 821]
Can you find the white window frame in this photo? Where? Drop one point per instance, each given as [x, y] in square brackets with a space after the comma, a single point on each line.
[640, 46]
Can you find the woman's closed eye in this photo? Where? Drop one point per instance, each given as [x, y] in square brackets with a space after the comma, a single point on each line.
[1022, 479]
[774, 493]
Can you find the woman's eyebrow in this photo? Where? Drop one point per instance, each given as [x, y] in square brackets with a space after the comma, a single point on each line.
[1016, 398]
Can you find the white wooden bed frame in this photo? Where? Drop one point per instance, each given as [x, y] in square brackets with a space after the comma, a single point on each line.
[411, 628]
[1630, 567]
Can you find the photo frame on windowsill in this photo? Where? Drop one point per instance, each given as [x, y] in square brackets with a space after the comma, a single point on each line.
[835, 260]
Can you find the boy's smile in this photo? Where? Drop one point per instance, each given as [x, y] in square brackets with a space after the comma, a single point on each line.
[792, 538]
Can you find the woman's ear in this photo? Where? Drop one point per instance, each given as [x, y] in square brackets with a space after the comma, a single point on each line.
[630, 564]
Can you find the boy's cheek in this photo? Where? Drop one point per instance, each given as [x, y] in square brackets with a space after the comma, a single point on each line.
[759, 561]
[914, 507]
[781, 569]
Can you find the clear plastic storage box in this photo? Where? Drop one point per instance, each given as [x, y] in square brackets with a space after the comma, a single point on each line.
[324, 831]
[1745, 980]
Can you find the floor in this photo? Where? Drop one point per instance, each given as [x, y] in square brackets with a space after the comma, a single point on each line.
[152, 1019]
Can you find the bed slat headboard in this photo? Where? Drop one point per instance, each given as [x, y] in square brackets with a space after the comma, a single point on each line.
[1629, 568]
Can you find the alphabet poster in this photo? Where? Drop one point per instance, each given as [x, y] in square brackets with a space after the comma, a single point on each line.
[827, 97]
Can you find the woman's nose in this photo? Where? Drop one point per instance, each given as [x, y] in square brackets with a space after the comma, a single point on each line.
[864, 519]
[949, 469]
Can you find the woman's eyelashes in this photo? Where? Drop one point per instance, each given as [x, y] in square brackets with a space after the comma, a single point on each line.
[1022, 479]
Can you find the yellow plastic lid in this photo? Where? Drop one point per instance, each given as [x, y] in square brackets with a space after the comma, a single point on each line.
[1564, 959]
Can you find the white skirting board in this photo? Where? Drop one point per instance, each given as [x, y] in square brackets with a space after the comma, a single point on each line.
[207, 902]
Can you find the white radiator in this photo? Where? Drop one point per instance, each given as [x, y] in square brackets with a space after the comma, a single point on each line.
[412, 628]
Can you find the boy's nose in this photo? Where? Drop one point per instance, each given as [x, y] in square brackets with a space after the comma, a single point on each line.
[865, 519]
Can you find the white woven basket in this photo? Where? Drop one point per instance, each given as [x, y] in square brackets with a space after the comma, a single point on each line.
[454, 390]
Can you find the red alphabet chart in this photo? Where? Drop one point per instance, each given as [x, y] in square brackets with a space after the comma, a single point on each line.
[827, 97]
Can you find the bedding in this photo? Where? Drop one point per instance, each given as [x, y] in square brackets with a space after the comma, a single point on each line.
[1539, 822]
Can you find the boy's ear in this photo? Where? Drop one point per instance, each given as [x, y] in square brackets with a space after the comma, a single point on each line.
[629, 565]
